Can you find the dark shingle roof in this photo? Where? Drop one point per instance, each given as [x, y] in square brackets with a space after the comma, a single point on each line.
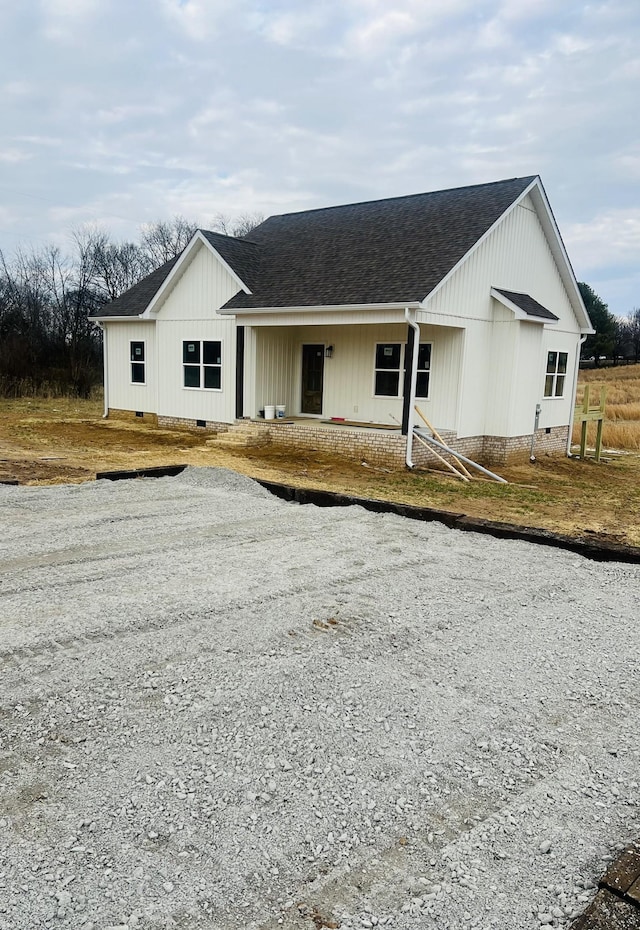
[383, 251]
[240, 255]
[136, 300]
[527, 304]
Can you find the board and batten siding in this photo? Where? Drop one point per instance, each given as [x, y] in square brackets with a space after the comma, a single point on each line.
[123, 394]
[500, 389]
[189, 312]
[349, 375]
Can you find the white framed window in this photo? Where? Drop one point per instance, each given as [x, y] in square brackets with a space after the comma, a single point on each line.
[424, 370]
[556, 374]
[390, 360]
[202, 364]
[137, 358]
[387, 369]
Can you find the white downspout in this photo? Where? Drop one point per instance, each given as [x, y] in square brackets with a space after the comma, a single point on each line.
[412, 390]
[105, 376]
[574, 392]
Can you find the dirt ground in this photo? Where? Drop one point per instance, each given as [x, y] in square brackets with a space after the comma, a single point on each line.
[62, 441]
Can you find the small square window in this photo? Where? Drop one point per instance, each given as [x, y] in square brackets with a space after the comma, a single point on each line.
[192, 376]
[191, 352]
[211, 354]
[212, 378]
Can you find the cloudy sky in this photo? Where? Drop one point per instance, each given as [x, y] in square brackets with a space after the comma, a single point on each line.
[120, 112]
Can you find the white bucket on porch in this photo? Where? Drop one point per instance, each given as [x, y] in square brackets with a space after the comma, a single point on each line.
[269, 412]
[281, 410]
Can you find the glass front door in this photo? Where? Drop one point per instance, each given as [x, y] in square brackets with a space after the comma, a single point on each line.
[312, 379]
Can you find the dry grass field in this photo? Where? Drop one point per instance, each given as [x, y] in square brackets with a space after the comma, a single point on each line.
[50, 441]
[622, 423]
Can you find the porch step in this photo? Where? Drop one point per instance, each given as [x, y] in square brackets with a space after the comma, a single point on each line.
[242, 434]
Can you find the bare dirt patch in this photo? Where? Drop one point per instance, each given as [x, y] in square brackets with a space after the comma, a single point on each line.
[49, 442]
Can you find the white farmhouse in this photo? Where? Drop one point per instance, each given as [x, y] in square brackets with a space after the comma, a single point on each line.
[461, 301]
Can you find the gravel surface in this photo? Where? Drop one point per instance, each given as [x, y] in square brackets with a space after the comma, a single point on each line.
[221, 710]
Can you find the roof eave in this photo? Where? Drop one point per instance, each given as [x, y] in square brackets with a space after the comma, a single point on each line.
[337, 308]
[116, 319]
[198, 240]
[565, 267]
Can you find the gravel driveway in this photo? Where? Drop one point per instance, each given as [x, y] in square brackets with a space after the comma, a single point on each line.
[221, 710]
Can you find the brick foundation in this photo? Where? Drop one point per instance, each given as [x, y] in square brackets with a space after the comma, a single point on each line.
[376, 447]
[149, 418]
[185, 423]
[381, 447]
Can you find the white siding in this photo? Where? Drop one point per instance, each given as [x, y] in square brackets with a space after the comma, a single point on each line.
[349, 375]
[123, 394]
[557, 411]
[504, 359]
[202, 288]
[190, 312]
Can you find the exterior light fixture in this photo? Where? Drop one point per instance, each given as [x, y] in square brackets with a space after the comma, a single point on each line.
[328, 352]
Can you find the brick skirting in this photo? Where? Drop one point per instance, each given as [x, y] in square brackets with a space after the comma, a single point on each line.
[184, 423]
[379, 447]
[376, 447]
[116, 414]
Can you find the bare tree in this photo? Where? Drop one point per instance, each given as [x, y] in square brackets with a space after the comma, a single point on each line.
[239, 226]
[633, 332]
[163, 240]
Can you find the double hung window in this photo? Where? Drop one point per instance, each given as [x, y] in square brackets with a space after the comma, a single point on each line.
[555, 374]
[136, 355]
[390, 363]
[202, 364]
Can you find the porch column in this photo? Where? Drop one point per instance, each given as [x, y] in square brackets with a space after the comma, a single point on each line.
[239, 372]
[406, 387]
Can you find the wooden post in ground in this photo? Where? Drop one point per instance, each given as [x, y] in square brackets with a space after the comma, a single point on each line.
[586, 414]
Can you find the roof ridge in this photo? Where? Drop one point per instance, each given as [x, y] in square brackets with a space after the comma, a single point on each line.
[212, 232]
[444, 190]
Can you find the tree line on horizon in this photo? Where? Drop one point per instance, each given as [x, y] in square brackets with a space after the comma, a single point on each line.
[49, 346]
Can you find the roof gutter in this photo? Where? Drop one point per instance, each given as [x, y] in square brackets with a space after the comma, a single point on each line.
[411, 320]
[338, 308]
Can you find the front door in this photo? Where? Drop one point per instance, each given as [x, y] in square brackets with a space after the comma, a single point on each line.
[312, 379]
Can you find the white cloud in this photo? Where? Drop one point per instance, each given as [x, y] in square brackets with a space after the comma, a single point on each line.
[63, 19]
[198, 106]
[12, 156]
[610, 238]
[200, 19]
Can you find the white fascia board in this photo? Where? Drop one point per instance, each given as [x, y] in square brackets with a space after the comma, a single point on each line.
[118, 319]
[338, 308]
[478, 243]
[518, 311]
[197, 241]
[548, 221]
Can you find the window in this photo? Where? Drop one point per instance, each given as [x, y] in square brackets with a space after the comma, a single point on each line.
[136, 351]
[424, 368]
[390, 362]
[556, 374]
[202, 365]
[388, 369]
